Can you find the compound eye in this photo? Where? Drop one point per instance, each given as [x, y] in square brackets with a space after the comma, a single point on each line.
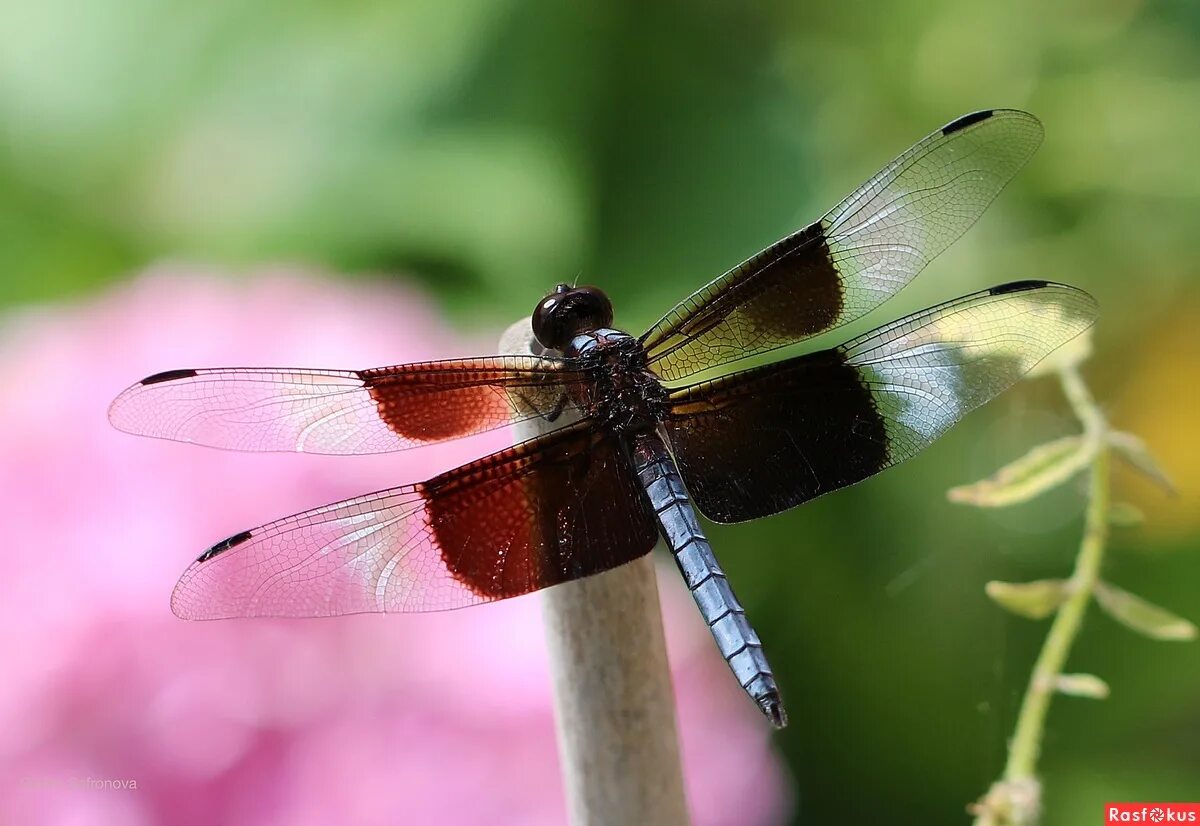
[595, 308]
[567, 312]
[545, 320]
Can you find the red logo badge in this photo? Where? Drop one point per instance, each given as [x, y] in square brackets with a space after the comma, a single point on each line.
[1118, 813]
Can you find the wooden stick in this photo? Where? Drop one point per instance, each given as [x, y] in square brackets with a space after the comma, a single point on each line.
[613, 701]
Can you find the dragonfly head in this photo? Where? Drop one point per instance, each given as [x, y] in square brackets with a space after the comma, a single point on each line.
[568, 311]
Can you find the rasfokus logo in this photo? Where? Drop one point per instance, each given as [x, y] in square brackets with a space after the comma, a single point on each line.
[1151, 813]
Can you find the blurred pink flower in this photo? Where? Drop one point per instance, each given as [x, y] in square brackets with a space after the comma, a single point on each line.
[367, 719]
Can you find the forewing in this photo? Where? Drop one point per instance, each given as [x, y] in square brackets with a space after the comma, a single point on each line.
[563, 506]
[856, 257]
[346, 411]
[764, 440]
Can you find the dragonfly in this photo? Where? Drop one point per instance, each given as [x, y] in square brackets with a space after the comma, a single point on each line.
[630, 442]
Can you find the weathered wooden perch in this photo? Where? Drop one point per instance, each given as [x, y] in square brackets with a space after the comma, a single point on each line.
[613, 701]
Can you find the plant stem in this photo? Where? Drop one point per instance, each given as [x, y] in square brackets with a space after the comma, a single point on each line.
[1026, 743]
[1015, 799]
[1082, 402]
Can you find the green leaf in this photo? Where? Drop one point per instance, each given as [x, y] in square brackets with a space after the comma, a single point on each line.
[1134, 451]
[1036, 600]
[1039, 470]
[1143, 617]
[1125, 515]
[1081, 685]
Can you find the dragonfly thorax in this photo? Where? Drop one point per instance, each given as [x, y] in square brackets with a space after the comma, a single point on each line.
[626, 396]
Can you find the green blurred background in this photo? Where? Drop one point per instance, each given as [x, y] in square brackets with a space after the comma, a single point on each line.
[489, 149]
